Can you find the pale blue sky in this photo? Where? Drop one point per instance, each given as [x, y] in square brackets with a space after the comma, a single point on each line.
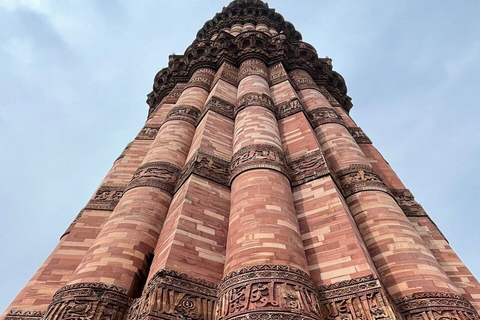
[74, 75]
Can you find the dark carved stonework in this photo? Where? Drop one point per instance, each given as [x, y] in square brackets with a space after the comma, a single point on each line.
[286, 109]
[253, 67]
[89, 301]
[307, 168]
[174, 295]
[407, 203]
[208, 166]
[159, 174]
[333, 102]
[227, 73]
[301, 79]
[359, 136]
[148, 133]
[24, 315]
[324, 115]
[175, 93]
[186, 113]
[219, 106]
[255, 99]
[268, 292]
[106, 197]
[124, 152]
[436, 306]
[356, 178]
[258, 156]
[277, 74]
[202, 78]
[356, 299]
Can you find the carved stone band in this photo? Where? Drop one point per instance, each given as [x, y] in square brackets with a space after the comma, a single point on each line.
[106, 197]
[302, 80]
[174, 295]
[407, 203]
[359, 136]
[357, 299]
[436, 306]
[202, 78]
[208, 166]
[161, 175]
[268, 291]
[324, 115]
[356, 178]
[258, 156]
[288, 108]
[93, 301]
[24, 315]
[277, 74]
[147, 133]
[219, 106]
[255, 99]
[186, 113]
[252, 67]
[307, 168]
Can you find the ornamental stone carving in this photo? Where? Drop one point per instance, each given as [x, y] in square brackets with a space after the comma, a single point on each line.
[359, 136]
[159, 174]
[219, 106]
[301, 80]
[173, 96]
[186, 113]
[106, 197]
[255, 99]
[436, 306]
[258, 156]
[24, 315]
[356, 178]
[174, 295]
[356, 299]
[307, 168]
[89, 301]
[324, 115]
[202, 78]
[227, 73]
[286, 109]
[268, 292]
[208, 166]
[408, 204]
[147, 133]
[277, 74]
[327, 95]
[253, 67]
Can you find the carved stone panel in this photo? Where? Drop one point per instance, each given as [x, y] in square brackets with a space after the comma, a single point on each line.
[408, 204]
[333, 102]
[148, 133]
[277, 74]
[89, 301]
[202, 78]
[324, 115]
[359, 136]
[252, 67]
[174, 295]
[356, 178]
[307, 168]
[288, 108]
[219, 106]
[106, 197]
[255, 99]
[356, 299]
[268, 292]
[436, 306]
[159, 174]
[229, 74]
[302, 80]
[186, 113]
[208, 166]
[258, 156]
[173, 96]
[24, 315]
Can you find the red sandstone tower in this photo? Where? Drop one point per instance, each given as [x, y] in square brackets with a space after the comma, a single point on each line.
[250, 193]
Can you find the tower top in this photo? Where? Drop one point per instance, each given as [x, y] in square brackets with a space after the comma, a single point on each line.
[248, 11]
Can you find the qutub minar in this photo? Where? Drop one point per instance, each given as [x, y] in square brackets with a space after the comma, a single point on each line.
[250, 193]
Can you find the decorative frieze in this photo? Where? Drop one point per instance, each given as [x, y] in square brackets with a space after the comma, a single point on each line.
[89, 301]
[202, 78]
[147, 133]
[258, 156]
[253, 67]
[255, 99]
[301, 80]
[327, 95]
[436, 306]
[268, 292]
[186, 113]
[277, 74]
[219, 106]
[227, 73]
[324, 115]
[407, 203]
[24, 315]
[208, 166]
[307, 168]
[173, 96]
[356, 178]
[106, 197]
[359, 136]
[356, 299]
[288, 108]
[174, 295]
[159, 174]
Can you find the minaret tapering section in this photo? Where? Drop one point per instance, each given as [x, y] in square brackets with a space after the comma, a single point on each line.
[250, 194]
